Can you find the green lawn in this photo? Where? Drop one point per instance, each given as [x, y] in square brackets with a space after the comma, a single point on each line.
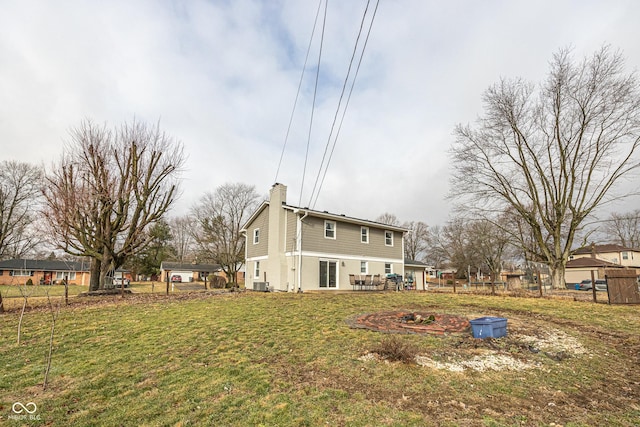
[291, 359]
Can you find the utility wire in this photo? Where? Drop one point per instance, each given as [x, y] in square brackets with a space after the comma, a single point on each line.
[313, 105]
[335, 117]
[348, 98]
[295, 102]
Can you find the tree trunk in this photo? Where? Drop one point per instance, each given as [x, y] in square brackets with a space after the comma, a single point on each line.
[557, 277]
[94, 280]
[103, 275]
[1, 306]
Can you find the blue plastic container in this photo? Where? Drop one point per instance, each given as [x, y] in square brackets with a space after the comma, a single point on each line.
[489, 327]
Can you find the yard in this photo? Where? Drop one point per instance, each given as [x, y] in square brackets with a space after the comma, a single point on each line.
[293, 359]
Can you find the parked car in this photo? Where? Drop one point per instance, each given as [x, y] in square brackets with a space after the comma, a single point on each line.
[176, 278]
[585, 285]
[119, 281]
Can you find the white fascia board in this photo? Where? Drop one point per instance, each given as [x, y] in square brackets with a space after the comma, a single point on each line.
[347, 257]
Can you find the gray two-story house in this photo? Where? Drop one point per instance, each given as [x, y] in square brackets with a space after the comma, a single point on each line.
[293, 248]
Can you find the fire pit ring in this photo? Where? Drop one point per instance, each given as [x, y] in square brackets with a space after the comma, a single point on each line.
[407, 322]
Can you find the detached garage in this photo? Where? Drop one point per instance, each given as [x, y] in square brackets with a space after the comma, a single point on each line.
[188, 272]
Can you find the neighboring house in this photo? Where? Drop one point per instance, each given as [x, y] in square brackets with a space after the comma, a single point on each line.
[615, 254]
[598, 257]
[293, 248]
[188, 272]
[18, 271]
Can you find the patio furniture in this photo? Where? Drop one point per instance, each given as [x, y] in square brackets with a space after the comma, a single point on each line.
[367, 281]
[352, 280]
[375, 283]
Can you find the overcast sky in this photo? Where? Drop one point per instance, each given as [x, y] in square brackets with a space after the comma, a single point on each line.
[222, 76]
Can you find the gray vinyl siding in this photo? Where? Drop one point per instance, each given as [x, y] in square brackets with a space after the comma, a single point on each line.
[347, 241]
[310, 272]
[261, 222]
[290, 244]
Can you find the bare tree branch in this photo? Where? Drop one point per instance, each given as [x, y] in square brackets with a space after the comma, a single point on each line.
[219, 218]
[108, 188]
[20, 185]
[551, 156]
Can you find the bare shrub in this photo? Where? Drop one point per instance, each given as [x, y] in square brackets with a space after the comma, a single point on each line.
[217, 282]
[395, 348]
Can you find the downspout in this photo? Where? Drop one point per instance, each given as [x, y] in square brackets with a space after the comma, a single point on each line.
[246, 252]
[299, 246]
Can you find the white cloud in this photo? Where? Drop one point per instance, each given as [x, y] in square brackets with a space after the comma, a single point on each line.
[222, 76]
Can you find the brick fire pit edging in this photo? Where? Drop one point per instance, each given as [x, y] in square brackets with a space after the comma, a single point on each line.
[393, 322]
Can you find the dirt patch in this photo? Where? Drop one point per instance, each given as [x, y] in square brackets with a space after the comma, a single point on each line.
[590, 371]
[519, 350]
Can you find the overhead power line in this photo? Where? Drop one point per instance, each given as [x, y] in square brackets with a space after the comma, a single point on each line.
[313, 202]
[295, 102]
[313, 104]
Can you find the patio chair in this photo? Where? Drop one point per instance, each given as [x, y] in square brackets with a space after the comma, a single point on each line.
[376, 281]
[367, 281]
[352, 280]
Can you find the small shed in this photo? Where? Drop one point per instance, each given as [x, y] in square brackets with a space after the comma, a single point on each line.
[513, 279]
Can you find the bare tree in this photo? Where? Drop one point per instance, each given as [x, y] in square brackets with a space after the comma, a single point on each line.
[54, 317]
[552, 155]
[219, 218]
[623, 229]
[388, 218]
[435, 253]
[490, 243]
[108, 188]
[458, 245]
[416, 240]
[182, 231]
[26, 292]
[20, 185]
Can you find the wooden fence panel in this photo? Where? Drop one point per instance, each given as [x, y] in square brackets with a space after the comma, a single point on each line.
[622, 286]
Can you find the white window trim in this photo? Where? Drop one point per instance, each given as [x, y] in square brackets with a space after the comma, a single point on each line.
[366, 267]
[390, 268]
[366, 235]
[256, 270]
[385, 238]
[337, 262]
[256, 236]
[326, 221]
[21, 273]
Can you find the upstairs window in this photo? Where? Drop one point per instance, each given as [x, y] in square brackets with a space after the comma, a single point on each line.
[330, 229]
[364, 234]
[625, 255]
[256, 236]
[388, 238]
